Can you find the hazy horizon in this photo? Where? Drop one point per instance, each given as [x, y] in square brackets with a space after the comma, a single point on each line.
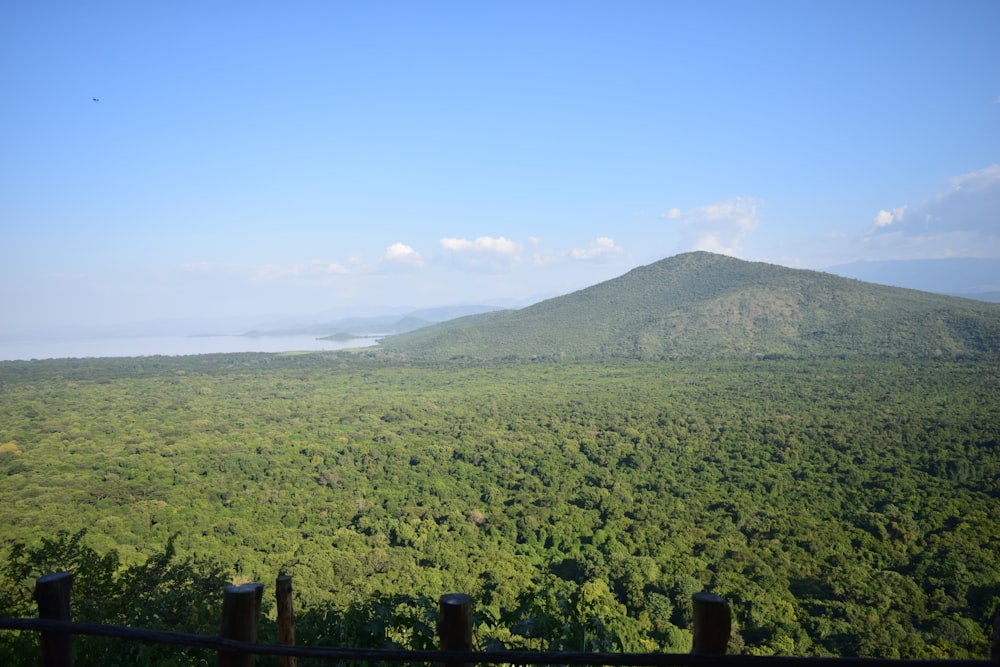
[982, 280]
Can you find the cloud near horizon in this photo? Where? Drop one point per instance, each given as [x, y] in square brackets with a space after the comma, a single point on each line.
[603, 246]
[484, 253]
[499, 246]
[961, 221]
[312, 270]
[400, 254]
[308, 271]
[719, 227]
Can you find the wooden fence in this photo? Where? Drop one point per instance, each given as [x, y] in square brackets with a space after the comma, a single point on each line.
[237, 645]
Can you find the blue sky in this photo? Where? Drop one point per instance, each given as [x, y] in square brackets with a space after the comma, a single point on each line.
[253, 158]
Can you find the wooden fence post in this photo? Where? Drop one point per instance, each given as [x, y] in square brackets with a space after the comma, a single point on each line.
[713, 623]
[240, 615]
[52, 593]
[995, 645]
[455, 625]
[286, 618]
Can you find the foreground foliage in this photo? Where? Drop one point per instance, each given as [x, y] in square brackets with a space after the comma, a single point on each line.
[844, 508]
[165, 592]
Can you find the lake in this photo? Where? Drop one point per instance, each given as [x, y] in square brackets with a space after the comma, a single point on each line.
[22, 348]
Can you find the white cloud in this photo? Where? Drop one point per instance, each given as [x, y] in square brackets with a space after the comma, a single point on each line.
[984, 179]
[883, 218]
[335, 268]
[671, 214]
[401, 253]
[602, 246]
[483, 244]
[961, 221]
[721, 227]
[484, 253]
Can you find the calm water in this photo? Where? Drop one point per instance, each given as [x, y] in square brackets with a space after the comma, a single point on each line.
[23, 349]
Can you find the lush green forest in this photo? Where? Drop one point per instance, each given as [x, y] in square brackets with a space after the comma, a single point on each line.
[842, 507]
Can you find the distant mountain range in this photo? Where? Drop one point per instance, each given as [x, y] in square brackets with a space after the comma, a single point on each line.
[969, 277]
[702, 305]
[374, 325]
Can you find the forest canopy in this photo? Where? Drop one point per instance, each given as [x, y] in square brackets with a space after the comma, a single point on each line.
[842, 507]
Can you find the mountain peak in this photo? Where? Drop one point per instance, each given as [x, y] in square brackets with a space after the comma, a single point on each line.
[706, 305]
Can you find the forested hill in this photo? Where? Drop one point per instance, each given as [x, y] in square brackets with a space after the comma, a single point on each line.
[703, 305]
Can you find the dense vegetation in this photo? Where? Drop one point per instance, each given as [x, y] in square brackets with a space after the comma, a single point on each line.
[843, 507]
[704, 306]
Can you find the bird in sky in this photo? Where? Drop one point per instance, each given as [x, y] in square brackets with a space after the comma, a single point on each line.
[96, 99]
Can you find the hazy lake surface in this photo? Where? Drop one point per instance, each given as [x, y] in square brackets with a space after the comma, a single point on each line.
[23, 348]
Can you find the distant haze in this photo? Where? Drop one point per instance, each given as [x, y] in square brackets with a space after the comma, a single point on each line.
[964, 277]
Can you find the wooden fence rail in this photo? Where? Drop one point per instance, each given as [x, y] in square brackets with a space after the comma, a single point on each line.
[236, 644]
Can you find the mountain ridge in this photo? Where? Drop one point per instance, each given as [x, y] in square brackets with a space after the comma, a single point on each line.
[703, 305]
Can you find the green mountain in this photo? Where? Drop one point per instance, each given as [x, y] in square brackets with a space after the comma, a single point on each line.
[702, 305]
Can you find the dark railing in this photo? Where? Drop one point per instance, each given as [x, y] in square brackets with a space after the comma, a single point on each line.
[236, 644]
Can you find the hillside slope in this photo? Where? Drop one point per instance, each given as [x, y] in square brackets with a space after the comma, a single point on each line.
[702, 305]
